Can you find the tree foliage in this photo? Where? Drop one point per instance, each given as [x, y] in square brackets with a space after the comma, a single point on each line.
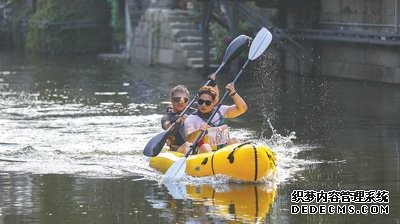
[72, 26]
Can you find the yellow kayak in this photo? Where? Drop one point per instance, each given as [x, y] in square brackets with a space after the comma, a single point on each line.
[245, 162]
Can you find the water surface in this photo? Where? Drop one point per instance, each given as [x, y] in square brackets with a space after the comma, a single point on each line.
[73, 129]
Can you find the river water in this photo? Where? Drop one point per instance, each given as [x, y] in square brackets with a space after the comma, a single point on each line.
[72, 131]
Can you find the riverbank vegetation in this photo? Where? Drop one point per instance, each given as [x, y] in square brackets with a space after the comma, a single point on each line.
[62, 27]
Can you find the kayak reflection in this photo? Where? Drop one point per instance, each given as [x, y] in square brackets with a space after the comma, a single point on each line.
[235, 202]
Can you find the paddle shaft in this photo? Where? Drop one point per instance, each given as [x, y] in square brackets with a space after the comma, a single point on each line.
[155, 145]
[159, 140]
[258, 46]
[242, 39]
[207, 83]
[215, 110]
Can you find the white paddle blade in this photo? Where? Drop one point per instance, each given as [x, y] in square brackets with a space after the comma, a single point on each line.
[177, 170]
[260, 43]
[176, 190]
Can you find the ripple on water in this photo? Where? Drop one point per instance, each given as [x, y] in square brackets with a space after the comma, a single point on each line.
[45, 137]
[95, 141]
[111, 146]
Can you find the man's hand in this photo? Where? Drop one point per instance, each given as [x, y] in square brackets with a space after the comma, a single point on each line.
[213, 76]
[182, 119]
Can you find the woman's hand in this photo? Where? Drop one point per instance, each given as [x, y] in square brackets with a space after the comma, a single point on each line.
[204, 126]
[231, 88]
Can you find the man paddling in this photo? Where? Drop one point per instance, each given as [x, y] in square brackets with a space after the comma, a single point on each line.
[179, 97]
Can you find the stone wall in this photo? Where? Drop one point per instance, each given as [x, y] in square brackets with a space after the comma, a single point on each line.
[360, 61]
[162, 47]
[347, 56]
[373, 63]
[370, 12]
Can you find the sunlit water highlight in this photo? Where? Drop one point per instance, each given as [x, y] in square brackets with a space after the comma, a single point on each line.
[43, 137]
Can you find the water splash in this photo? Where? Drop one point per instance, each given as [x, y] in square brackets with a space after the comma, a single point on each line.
[44, 137]
[49, 137]
[75, 139]
[287, 151]
[277, 140]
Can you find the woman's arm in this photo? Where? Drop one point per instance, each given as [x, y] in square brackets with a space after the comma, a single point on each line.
[239, 107]
[192, 132]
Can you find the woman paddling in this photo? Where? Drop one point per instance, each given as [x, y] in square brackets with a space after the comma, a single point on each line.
[217, 133]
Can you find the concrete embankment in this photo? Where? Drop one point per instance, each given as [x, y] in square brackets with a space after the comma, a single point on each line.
[354, 39]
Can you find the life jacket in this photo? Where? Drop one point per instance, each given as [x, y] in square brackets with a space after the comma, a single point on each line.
[177, 138]
[222, 121]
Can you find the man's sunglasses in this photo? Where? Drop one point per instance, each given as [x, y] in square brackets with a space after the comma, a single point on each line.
[201, 102]
[177, 99]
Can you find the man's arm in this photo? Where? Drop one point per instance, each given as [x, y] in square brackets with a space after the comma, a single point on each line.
[165, 123]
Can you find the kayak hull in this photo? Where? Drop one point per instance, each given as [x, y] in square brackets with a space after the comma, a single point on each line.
[245, 162]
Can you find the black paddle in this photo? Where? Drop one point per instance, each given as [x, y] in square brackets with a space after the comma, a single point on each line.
[155, 145]
[258, 46]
